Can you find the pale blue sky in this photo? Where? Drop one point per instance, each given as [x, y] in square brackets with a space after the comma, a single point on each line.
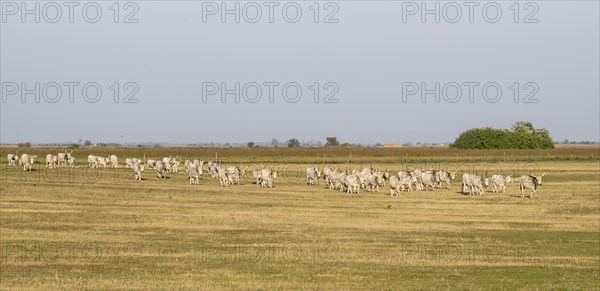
[369, 53]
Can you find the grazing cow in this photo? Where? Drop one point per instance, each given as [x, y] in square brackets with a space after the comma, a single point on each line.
[212, 168]
[475, 183]
[130, 161]
[194, 174]
[235, 173]
[137, 171]
[224, 177]
[337, 180]
[425, 179]
[500, 182]
[265, 177]
[102, 161]
[372, 182]
[267, 180]
[175, 166]
[327, 171]
[92, 161]
[395, 186]
[382, 177]
[12, 159]
[444, 176]
[312, 176]
[51, 161]
[407, 178]
[353, 182]
[168, 161]
[150, 164]
[27, 161]
[63, 158]
[114, 161]
[161, 169]
[530, 182]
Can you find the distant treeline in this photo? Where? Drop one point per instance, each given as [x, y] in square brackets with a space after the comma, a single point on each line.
[522, 136]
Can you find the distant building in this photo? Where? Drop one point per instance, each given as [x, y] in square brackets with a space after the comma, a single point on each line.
[392, 145]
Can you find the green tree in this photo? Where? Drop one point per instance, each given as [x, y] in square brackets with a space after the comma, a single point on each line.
[332, 141]
[521, 136]
[87, 143]
[293, 143]
[251, 144]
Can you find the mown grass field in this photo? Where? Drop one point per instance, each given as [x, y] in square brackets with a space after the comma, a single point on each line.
[77, 228]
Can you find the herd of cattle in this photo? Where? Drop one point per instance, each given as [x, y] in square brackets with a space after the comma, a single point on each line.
[350, 181]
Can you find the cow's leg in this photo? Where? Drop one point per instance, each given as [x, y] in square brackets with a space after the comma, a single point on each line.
[521, 187]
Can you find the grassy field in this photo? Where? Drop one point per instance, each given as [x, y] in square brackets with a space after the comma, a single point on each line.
[81, 228]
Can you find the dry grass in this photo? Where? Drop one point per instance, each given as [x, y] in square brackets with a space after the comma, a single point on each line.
[116, 233]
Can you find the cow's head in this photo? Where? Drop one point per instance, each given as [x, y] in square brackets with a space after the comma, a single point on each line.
[453, 175]
[486, 182]
[508, 179]
[539, 179]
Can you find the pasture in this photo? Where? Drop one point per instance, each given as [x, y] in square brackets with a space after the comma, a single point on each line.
[70, 228]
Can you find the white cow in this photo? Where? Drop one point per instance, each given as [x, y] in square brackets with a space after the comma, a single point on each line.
[130, 161]
[161, 169]
[500, 182]
[103, 161]
[93, 161]
[199, 163]
[63, 158]
[224, 177]
[444, 176]
[475, 183]
[194, 174]
[235, 173]
[395, 186]
[312, 176]
[51, 161]
[150, 164]
[265, 177]
[137, 171]
[114, 161]
[212, 168]
[425, 179]
[27, 161]
[382, 177]
[530, 182]
[168, 161]
[406, 182]
[12, 159]
[353, 182]
[71, 161]
[175, 166]
[337, 180]
[372, 182]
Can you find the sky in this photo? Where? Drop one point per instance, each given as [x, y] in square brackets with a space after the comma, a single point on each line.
[351, 69]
